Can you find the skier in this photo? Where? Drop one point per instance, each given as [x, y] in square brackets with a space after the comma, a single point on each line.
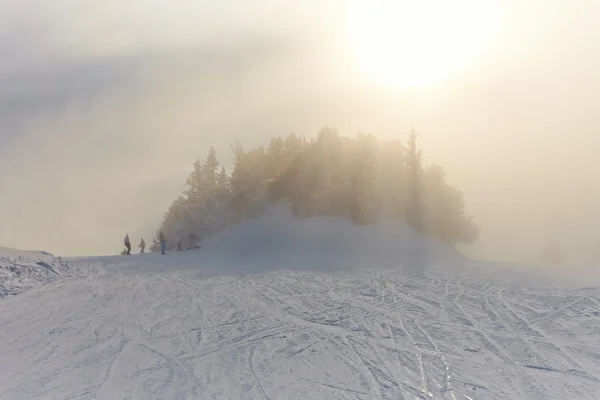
[163, 243]
[127, 244]
[142, 245]
[193, 244]
[178, 237]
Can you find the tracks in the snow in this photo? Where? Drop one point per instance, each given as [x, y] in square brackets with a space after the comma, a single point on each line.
[138, 333]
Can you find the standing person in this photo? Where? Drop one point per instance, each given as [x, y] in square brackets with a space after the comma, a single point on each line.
[193, 244]
[178, 237]
[127, 244]
[142, 245]
[163, 242]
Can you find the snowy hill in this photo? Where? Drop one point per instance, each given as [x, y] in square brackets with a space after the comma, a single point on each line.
[21, 270]
[278, 238]
[302, 309]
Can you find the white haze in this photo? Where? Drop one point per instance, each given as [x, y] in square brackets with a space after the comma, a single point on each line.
[104, 105]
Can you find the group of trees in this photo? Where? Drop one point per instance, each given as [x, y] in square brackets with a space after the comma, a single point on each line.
[358, 178]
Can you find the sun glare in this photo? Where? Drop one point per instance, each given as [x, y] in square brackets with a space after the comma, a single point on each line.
[413, 43]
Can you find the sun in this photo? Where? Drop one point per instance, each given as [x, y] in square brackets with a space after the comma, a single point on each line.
[414, 43]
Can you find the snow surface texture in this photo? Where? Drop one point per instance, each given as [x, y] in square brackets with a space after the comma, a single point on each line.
[205, 325]
[23, 270]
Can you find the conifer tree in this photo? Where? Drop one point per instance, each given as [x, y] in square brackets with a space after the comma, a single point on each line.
[356, 178]
[414, 206]
[194, 182]
[364, 196]
[392, 178]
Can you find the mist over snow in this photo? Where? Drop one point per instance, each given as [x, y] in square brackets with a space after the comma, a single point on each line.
[367, 232]
[317, 308]
[280, 239]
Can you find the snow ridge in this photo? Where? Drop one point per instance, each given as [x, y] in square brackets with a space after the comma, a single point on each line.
[22, 270]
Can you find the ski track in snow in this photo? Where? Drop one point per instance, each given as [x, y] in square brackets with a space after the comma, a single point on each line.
[149, 329]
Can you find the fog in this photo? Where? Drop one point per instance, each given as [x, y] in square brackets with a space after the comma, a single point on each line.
[104, 105]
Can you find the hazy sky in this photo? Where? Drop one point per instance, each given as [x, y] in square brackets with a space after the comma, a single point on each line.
[105, 104]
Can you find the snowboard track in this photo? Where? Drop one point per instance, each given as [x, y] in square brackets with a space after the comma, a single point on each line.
[136, 332]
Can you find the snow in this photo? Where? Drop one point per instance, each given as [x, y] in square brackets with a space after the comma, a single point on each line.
[270, 320]
[279, 239]
[22, 270]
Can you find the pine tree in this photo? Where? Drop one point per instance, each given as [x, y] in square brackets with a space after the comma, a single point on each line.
[392, 178]
[282, 186]
[364, 193]
[222, 178]
[249, 186]
[305, 181]
[321, 166]
[444, 210]
[355, 178]
[275, 159]
[203, 208]
[171, 223]
[194, 182]
[414, 206]
[341, 159]
[211, 166]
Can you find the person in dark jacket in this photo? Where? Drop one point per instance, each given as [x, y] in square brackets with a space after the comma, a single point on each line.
[142, 245]
[127, 244]
[163, 242]
[192, 237]
[179, 243]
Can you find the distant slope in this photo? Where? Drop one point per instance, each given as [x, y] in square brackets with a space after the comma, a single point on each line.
[278, 236]
[10, 252]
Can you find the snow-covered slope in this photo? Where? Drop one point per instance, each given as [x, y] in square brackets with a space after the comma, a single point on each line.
[205, 325]
[278, 238]
[21, 270]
